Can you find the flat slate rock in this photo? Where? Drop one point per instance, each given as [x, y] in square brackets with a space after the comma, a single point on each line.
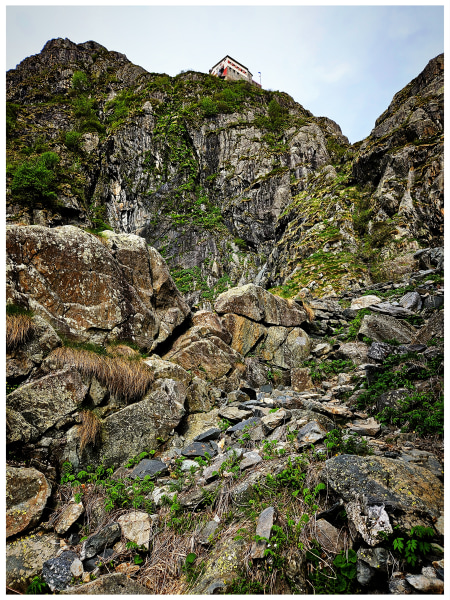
[252, 422]
[148, 467]
[199, 449]
[206, 436]
[99, 541]
[266, 388]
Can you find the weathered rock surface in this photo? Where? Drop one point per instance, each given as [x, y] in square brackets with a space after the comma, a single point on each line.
[126, 432]
[100, 292]
[136, 527]
[383, 327]
[26, 556]
[112, 584]
[56, 572]
[68, 516]
[390, 483]
[27, 492]
[49, 400]
[96, 543]
[23, 359]
[257, 304]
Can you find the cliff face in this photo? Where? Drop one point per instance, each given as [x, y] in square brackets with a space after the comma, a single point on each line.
[231, 183]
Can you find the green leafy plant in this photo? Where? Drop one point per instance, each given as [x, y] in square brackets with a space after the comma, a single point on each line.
[352, 444]
[38, 586]
[413, 545]
[338, 579]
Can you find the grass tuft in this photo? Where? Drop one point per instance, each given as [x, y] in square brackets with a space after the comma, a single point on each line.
[19, 329]
[124, 378]
[90, 428]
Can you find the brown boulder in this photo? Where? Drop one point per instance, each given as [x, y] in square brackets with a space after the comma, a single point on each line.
[111, 290]
[27, 492]
[258, 304]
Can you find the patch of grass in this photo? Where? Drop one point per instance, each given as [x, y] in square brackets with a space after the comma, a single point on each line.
[90, 428]
[320, 371]
[129, 380]
[19, 329]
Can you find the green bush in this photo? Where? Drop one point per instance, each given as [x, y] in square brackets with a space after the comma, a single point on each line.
[80, 81]
[72, 140]
[34, 180]
[209, 107]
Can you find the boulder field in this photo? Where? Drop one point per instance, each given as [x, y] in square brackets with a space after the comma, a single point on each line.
[155, 449]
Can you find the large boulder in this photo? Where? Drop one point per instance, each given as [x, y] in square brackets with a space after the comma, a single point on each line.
[257, 304]
[108, 288]
[50, 400]
[207, 356]
[27, 492]
[129, 431]
[24, 357]
[409, 494]
[380, 328]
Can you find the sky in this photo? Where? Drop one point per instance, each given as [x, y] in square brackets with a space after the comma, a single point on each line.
[342, 62]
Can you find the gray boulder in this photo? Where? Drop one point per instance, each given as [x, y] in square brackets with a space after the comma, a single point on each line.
[380, 328]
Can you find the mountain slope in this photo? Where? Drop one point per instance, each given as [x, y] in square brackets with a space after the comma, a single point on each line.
[229, 182]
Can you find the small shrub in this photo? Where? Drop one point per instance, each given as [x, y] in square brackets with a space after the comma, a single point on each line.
[34, 180]
[209, 107]
[80, 81]
[72, 140]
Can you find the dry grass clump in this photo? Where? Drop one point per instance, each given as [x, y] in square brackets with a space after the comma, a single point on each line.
[127, 379]
[90, 428]
[19, 329]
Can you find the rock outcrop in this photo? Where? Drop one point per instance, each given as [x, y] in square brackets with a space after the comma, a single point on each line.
[237, 187]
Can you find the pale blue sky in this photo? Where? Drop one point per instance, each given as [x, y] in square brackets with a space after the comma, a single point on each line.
[342, 62]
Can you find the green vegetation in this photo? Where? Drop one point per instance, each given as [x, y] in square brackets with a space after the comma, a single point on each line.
[189, 280]
[337, 579]
[355, 324]
[80, 81]
[72, 140]
[12, 111]
[38, 586]
[319, 371]
[422, 412]
[35, 180]
[336, 443]
[117, 493]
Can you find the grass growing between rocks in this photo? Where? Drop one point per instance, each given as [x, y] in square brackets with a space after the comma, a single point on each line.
[176, 561]
[422, 410]
[19, 326]
[129, 380]
[90, 428]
